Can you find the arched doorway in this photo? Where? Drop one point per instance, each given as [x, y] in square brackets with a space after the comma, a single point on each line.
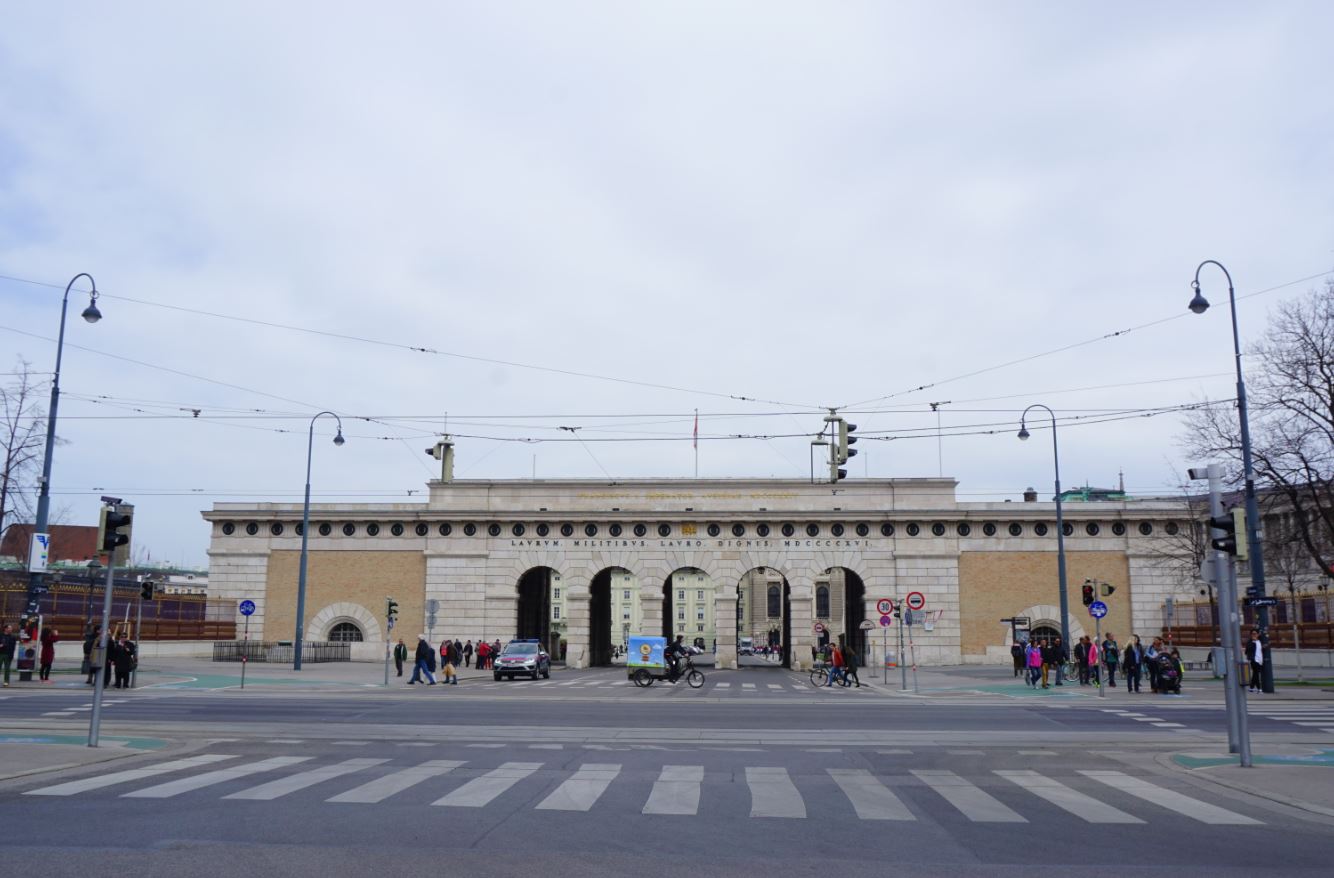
[535, 610]
[1044, 631]
[613, 614]
[845, 610]
[764, 619]
[687, 608]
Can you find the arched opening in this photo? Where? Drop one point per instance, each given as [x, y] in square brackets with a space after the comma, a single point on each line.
[1044, 631]
[613, 615]
[539, 605]
[763, 619]
[346, 632]
[848, 609]
[687, 608]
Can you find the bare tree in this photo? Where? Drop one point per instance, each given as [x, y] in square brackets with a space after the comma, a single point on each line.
[1290, 563]
[1182, 553]
[1291, 387]
[22, 434]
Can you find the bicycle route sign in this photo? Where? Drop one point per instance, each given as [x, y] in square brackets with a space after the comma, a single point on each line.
[246, 607]
[1097, 609]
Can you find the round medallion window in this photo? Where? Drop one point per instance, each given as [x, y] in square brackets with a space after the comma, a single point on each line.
[1092, 529]
[1119, 528]
[641, 529]
[664, 530]
[326, 529]
[863, 530]
[887, 530]
[470, 530]
[938, 529]
[964, 529]
[590, 530]
[1172, 528]
[422, 529]
[914, 529]
[762, 530]
[738, 530]
[989, 529]
[493, 529]
[714, 530]
[252, 528]
[373, 529]
[1067, 528]
[396, 529]
[614, 530]
[543, 529]
[1040, 528]
[445, 529]
[567, 530]
[836, 530]
[299, 529]
[1016, 529]
[518, 530]
[812, 530]
[349, 530]
[1145, 528]
[788, 530]
[228, 529]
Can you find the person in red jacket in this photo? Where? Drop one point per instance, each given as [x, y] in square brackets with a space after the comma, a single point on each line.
[483, 654]
[50, 637]
[835, 665]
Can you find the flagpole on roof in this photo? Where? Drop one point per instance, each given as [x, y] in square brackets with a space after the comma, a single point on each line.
[697, 443]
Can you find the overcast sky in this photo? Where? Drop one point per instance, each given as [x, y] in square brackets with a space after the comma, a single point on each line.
[806, 205]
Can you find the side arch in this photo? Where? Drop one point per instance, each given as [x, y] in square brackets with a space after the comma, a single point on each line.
[344, 611]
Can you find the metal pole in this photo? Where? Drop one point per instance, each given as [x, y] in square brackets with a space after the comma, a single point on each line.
[138, 644]
[1060, 519]
[245, 650]
[885, 661]
[903, 667]
[305, 534]
[95, 723]
[1097, 632]
[388, 637]
[1234, 622]
[1227, 610]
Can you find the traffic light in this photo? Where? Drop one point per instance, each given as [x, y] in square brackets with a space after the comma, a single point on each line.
[146, 590]
[1233, 526]
[1088, 594]
[109, 526]
[1107, 589]
[390, 609]
[840, 447]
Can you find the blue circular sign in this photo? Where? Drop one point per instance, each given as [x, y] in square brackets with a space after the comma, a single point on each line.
[1097, 609]
[247, 607]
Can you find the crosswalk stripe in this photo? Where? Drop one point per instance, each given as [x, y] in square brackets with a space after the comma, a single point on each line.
[208, 779]
[383, 787]
[871, 799]
[578, 793]
[974, 803]
[267, 792]
[106, 780]
[772, 793]
[481, 790]
[747, 685]
[676, 791]
[774, 685]
[1062, 796]
[723, 686]
[1170, 799]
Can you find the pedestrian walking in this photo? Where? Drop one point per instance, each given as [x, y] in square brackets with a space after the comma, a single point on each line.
[123, 661]
[467, 654]
[1255, 654]
[835, 664]
[1062, 655]
[1111, 657]
[400, 655]
[50, 637]
[1093, 656]
[1017, 655]
[1082, 660]
[424, 669]
[1034, 664]
[483, 652]
[92, 654]
[1048, 658]
[449, 662]
[8, 644]
[1132, 659]
[850, 666]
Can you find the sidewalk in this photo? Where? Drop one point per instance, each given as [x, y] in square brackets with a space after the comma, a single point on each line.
[1300, 777]
[22, 755]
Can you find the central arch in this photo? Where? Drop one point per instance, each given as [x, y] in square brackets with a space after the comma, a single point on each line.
[688, 608]
[764, 619]
[613, 614]
[534, 615]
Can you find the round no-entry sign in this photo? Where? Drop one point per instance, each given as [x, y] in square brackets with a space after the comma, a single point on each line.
[885, 606]
[819, 627]
[915, 600]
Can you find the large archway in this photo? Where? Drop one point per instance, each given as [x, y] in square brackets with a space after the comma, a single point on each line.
[613, 614]
[764, 619]
[688, 608]
[842, 609]
[534, 616]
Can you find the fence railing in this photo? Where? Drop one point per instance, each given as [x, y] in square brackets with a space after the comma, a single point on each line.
[280, 651]
[72, 605]
[1319, 635]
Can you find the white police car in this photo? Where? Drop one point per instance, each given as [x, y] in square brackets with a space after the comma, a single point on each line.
[523, 657]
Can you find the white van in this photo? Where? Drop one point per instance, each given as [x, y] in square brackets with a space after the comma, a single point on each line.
[746, 646]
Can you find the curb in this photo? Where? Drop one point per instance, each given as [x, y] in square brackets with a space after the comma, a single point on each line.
[110, 755]
[1167, 760]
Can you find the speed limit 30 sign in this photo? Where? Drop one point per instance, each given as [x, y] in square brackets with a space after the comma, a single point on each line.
[885, 606]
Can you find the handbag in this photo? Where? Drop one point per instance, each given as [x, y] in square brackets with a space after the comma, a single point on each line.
[84, 668]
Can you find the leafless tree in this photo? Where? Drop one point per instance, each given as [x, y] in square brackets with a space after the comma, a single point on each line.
[22, 434]
[1181, 554]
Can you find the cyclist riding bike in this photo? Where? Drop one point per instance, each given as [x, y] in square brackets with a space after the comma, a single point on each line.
[673, 653]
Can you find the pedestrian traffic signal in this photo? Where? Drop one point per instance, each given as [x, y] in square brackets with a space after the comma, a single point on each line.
[146, 590]
[1088, 594]
[390, 608]
[109, 525]
[1107, 589]
[1233, 528]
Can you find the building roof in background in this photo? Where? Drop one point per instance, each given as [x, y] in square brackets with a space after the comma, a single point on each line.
[69, 542]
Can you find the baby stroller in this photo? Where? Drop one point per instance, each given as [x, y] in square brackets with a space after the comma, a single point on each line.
[1169, 676]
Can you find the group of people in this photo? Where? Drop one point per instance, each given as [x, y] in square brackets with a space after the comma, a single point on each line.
[1036, 660]
[10, 646]
[841, 661]
[121, 657]
[452, 655]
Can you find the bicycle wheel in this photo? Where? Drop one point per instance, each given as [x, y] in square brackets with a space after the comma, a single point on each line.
[819, 676]
[695, 678]
[642, 678]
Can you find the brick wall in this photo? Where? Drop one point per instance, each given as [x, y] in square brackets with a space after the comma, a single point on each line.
[363, 578]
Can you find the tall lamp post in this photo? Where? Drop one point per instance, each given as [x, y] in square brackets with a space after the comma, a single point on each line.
[305, 536]
[1060, 520]
[1198, 305]
[92, 315]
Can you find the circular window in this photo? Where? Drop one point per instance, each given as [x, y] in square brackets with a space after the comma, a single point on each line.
[345, 632]
[518, 530]
[591, 530]
[349, 529]
[914, 529]
[788, 530]
[714, 530]
[1119, 528]
[938, 529]
[738, 530]
[373, 529]
[396, 529]
[989, 529]
[887, 530]
[252, 528]
[1067, 528]
[812, 530]
[762, 530]
[422, 529]
[664, 530]
[641, 529]
[326, 529]
[543, 529]
[445, 529]
[1016, 529]
[1145, 528]
[567, 530]
[1172, 528]
[1040, 528]
[614, 530]
[228, 529]
[836, 530]
[470, 530]
[493, 529]
[299, 529]
[863, 530]
[964, 529]
[1092, 529]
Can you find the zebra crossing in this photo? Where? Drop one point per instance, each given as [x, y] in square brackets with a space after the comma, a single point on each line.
[731, 688]
[998, 796]
[1314, 716]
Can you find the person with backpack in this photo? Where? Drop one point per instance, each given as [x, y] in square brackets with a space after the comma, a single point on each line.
[424, 669]
[850, 666]
[1110, 658]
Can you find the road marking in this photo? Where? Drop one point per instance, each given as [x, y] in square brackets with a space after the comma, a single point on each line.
[774, 685]
[1321, 723]
[676, 791]
[965, 752]
[60, 713]
[895, 752]
[1073, 801]
[772, 793]
[208, 779]
[1037, 752]
[383, 787]
[350, 743]
[546, 746]
[106, 780]
[747, 685]
[972, 802]
[1170, 799]
[479, 791]
[722, 686]
[486, 746]
[579, 792]
[267, 792]
[285, 741]
[1170, 725]
[871, 799]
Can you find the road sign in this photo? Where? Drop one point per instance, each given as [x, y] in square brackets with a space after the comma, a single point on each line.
[391, 623]
[909, 617]
[884, 606]
[247, 607]
[432, 606]
[819, 627]
[866, 625]
[1097, 609]
[1262, 602]
[886, 620]
[915, 600]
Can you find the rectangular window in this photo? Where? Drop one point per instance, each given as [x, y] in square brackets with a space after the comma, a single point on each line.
[555, 594]
[555, 612]
[700, 615]
[681, 615]
[681, 594]
[699, 627]
[699, 595]
[625, 616]
[625, 595]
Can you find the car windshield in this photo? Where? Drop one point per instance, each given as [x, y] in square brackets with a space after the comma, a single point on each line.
[521, 649]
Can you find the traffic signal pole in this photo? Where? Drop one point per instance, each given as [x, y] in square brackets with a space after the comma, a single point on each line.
[95, 722]
[1238, 726]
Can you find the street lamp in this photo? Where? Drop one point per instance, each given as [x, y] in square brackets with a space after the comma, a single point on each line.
[1060, 520]
[92, 315]
[1198, 305]
[305, 536]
